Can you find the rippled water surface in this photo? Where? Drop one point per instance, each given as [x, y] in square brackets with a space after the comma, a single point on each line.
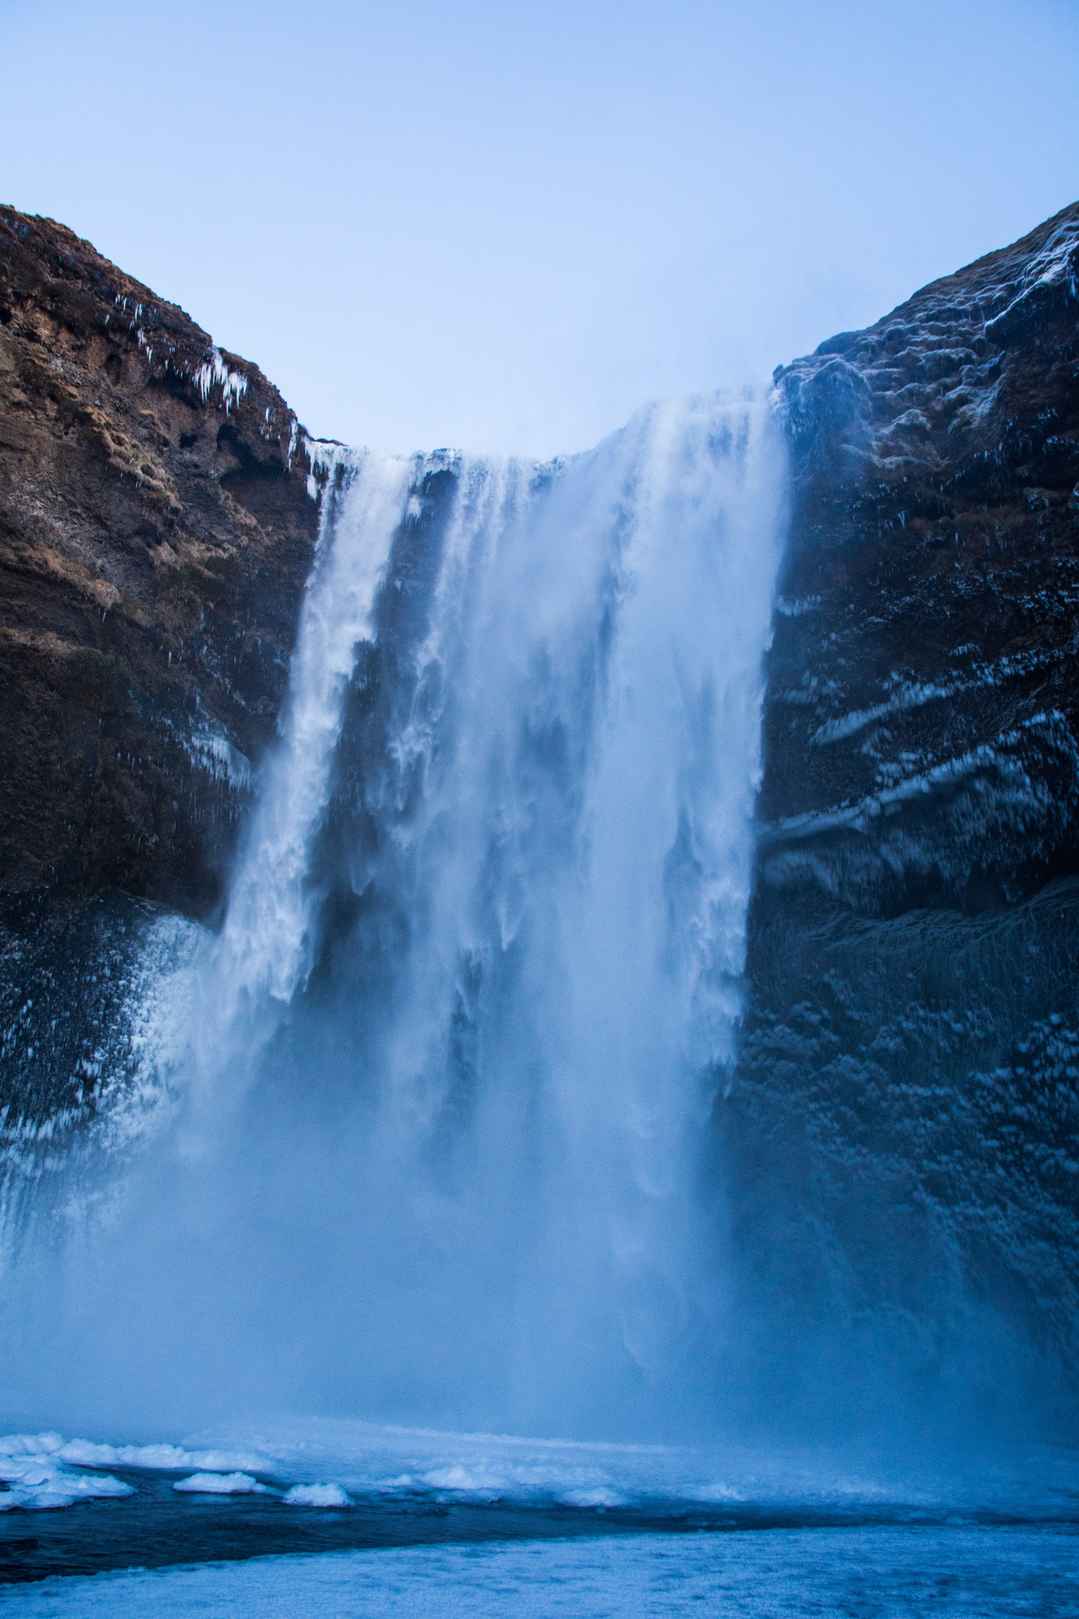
[866, 1571]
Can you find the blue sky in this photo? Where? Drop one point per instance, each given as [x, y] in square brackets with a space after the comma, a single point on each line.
[506, 227]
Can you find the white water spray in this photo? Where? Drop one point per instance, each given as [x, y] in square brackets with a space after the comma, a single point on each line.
[480, 976]
[264, 951]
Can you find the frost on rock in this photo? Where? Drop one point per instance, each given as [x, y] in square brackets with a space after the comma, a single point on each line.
[212, 751]
[906, 695]
[214, 373]
[120, 1089]
[1055, 267]
[323, 457]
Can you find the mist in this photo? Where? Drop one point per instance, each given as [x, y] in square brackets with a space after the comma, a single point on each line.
[427, 1117]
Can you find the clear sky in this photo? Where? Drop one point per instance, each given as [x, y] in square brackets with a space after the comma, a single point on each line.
[506, 226]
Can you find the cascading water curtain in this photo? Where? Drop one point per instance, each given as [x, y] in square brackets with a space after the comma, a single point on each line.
[453, 1054]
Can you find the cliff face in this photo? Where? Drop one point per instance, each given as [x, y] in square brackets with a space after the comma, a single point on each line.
[936, 548]
[155, 535]
[900, 1168]
[909, 1088]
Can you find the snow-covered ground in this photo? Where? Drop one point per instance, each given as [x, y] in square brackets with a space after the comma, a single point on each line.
[329, 1462]
[290, 1458]
[416, 1522]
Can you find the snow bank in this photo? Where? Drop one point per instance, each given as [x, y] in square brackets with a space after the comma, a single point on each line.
[33, 1476]
[320, 1462]
[39, 1470]
[163, 1458]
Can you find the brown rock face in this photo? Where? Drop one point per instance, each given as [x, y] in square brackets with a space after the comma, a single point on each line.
[155, 535]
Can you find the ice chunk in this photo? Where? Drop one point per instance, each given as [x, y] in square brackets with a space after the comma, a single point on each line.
[221, 1484]
[36, 1479]
[316, 1495]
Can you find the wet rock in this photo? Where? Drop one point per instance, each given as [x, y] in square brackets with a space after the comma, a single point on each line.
[901, 1140]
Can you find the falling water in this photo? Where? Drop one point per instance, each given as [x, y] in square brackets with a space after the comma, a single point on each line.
[453, 1056]
[263, 954]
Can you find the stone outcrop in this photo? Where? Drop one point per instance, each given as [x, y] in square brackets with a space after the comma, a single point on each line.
[910, 1084]
[155, 535]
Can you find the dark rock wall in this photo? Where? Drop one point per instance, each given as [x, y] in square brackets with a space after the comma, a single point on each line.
[927, 636]
[155, 535]
[905, 1130]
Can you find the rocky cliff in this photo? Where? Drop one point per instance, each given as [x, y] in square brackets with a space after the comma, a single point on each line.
[155, 534]
[909, 1089]
[935, 546]
[901, 1174]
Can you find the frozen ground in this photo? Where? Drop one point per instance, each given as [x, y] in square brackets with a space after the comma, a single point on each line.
[365, 1463]
[408, 1521]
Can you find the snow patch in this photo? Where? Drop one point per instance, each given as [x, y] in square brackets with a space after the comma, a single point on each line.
[34, 1478]
[316, 1495]
[162, 1458]
[594, 1498]
[221, 1484]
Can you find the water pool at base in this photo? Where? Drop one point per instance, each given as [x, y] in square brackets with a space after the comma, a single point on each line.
[307, 1515]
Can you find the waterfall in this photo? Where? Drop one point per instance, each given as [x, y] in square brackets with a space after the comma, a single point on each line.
[263, 953]
[454, 1052]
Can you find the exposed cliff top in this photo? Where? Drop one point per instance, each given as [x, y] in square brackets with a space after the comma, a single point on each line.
[52, 280]
[924, 709]
[945, 377]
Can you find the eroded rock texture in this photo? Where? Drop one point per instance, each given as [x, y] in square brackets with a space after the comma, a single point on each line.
[908, 1112]
[155, 535]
